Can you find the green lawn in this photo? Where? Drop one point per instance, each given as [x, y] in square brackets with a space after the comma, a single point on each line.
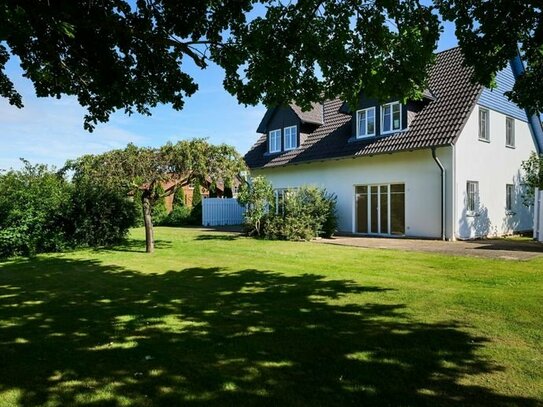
[216, 319]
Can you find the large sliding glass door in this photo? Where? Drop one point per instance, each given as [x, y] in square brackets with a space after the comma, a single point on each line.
[380, 209]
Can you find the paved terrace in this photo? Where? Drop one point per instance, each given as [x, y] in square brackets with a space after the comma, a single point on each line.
[506, 248]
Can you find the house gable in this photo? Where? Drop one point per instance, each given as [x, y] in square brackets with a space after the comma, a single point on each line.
[495, 99]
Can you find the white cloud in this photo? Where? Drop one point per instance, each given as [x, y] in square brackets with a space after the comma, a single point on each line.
[51, 131]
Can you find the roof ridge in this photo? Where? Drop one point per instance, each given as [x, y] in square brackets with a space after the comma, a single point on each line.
[447, 50]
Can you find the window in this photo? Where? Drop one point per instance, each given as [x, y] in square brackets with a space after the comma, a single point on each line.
[275, 141]
[472, 195]
[391, 117]
[510, 132]
[380, 209]
[291, 138]
[509, 196]
[280, 195]
[365, 122]
[484, 125]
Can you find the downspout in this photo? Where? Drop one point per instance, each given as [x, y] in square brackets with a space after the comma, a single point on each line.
[442, 169]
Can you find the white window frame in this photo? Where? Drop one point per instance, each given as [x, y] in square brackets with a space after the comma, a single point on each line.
[392, 129]
[358, 112]
[509, 197]
[285, 144]
[472, 210]
[279, 195]
[274, 134]
[484, 137]
[512, 135]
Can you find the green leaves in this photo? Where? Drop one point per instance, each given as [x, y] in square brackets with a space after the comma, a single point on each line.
[491, 33]
[137, 168]
[114, 55]
[532, 177]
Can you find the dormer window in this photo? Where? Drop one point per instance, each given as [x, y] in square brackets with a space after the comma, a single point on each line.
[290, 137]
[365, 122]
[391, 117]
[274, 141]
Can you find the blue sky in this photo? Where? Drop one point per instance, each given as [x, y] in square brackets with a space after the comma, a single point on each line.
[51, 131]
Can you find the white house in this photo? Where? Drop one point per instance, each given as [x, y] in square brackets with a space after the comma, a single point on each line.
[447, 166]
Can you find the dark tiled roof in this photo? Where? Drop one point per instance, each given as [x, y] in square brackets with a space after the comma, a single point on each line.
[313, 116]
[439, 123]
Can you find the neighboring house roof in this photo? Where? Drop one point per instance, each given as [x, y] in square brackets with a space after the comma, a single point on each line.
[313, 116]
[439, 123]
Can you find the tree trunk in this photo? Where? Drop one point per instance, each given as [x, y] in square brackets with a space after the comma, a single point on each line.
[148, 221]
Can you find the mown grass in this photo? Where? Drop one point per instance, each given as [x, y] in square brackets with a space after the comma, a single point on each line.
[216, 319]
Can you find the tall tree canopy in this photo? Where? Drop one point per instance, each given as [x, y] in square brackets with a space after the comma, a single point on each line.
[144, 170]
[115, 54]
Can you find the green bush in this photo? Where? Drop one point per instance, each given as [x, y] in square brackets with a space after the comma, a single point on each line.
[279, 227]
[196, 211]
[40, 211]
[159, 212]
[33, 204]
[179, 197]
[304, 213]
[307, 212]
[99, 216]
[179, 216]
[256, 196]
[196, 194]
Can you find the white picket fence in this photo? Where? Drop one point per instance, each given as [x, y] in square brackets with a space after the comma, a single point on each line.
[222, 211]
[538, 216]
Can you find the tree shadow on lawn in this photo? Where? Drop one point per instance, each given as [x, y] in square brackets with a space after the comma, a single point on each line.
[228, 237]
[79, 333]
[135, 246]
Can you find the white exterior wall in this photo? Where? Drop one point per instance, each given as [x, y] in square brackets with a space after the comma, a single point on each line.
[417, 170]
[493, 165]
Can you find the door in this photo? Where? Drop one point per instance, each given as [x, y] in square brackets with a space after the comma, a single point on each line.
[380, 209]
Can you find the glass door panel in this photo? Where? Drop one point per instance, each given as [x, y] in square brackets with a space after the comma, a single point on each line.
[374, 209]
[362, 209]
[380, 209]
[383, 206]
[397, 209]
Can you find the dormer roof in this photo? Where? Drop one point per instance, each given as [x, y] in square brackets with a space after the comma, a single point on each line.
[451, 96]
[312, 116]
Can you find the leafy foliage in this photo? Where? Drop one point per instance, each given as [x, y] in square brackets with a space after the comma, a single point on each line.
[179, 197]
[228, 193]
[159, 211]
[196, 211]
[179, 216]
[533, 176]
[141, 171]
[105, 53]
[99, 216]
[492, 31]
[197, 193]
[304, 213]
[40, 211]
[307, 212]
[32, 208]
[256, 195]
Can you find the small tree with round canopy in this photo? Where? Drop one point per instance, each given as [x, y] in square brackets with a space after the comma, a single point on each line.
[145, 169]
